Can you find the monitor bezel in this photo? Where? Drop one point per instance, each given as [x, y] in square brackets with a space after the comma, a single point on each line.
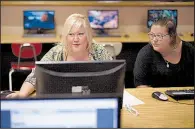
[82, 62]
[39, 11]
[104, 10]
[161, 10]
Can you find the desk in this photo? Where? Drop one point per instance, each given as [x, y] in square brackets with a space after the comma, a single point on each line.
[133, 38]
[158, 114]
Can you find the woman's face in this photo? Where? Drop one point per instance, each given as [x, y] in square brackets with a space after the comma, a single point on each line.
[77, 40]
[159, 38]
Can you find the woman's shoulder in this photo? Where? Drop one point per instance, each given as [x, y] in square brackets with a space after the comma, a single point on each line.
[57, 48]
[188, 48]
[146, 50]
[99, 52]
[188, 45]
[54, 54]
[97, 46]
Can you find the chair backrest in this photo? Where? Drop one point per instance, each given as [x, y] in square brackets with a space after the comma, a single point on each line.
[113, 48]
[27, 52]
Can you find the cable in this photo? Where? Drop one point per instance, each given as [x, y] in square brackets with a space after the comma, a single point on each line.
[180, 102]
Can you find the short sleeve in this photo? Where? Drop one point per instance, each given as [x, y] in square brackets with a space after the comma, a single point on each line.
[142, 67]
[31, 78]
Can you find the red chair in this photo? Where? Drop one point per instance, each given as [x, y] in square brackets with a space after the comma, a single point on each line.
[25, 51]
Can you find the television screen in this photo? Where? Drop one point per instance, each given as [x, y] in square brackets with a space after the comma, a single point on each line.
[39, 19]
[103, 19]
[154, 15]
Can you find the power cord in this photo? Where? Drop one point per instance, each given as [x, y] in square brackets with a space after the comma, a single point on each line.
[180, 102]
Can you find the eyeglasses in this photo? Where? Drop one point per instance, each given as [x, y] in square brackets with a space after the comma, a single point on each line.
[158, 36]
[80, 35]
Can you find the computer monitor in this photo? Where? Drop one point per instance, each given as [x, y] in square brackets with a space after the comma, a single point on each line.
[60, 113]
[154, 15]
[80, 77]
[39, 19]
[103, 19]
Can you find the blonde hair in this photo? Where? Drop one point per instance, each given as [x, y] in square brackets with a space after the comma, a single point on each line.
[76, 20]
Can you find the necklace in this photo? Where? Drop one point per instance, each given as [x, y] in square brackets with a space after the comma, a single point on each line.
[167, 63]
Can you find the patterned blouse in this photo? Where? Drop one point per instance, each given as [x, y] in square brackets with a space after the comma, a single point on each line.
[56, 53]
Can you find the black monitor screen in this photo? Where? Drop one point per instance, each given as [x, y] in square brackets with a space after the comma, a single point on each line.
[39, 19]
[80, 77]
[154, 15]
[96, 76]
[103, 19]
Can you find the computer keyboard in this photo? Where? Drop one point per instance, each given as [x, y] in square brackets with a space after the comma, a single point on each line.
[5, 93]
[181, 94]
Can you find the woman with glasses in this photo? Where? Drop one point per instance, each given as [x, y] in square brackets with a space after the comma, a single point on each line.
[166, 61]
[76, 45]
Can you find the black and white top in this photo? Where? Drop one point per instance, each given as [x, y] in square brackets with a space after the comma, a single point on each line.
[98, 52]
[151, 69]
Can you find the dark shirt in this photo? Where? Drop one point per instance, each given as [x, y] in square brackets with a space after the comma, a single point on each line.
[151, 69]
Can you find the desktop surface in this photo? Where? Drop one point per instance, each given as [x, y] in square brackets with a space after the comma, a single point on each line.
[39, 35]
[132, 38]
[107, 35]
[159, 114]
[60, 112]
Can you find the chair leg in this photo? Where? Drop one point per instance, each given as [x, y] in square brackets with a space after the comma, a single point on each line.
[10, 79]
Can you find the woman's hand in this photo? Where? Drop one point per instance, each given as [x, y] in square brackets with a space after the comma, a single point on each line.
[15, 95]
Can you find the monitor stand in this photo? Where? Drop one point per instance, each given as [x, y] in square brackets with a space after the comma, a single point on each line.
[36, 31]
[101, 32]
[39, 33]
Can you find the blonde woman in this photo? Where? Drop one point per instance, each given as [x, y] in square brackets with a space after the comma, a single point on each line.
[76, 45]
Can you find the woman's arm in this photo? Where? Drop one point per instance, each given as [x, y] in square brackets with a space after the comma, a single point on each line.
[25, 91]
[27, 87]
[29, 84]
[142, 68]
